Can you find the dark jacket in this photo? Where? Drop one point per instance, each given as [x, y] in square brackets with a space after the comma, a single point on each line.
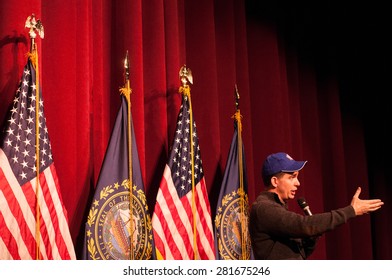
[277, 233]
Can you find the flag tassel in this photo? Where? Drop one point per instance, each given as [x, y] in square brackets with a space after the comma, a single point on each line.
[238, 118]
[126, 91]
[36, 26]
[37, 163]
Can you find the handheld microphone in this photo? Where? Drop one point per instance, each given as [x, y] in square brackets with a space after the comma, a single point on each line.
[305, 206]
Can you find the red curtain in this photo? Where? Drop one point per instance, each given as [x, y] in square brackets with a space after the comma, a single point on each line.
[288, 102]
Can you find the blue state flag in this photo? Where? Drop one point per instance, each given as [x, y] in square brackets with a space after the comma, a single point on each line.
[111, 233]
[232, 239]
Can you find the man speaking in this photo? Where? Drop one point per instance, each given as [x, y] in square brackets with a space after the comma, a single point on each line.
[277, 233]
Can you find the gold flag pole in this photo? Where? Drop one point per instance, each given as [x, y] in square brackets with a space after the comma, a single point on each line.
[241, 191]
[126, 91]
[36, 26]
[185, 78]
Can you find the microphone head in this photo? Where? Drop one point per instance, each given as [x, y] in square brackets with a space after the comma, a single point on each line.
[302, 202]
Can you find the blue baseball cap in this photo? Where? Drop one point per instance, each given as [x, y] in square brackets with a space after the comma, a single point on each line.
[280, 162]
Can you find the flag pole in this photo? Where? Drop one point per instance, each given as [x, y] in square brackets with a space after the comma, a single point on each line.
[185, 78]
[241, 193]
[36, 26]
[126, 91]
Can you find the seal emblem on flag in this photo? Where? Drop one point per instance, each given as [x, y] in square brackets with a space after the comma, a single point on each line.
[229, 227]
[111, 232]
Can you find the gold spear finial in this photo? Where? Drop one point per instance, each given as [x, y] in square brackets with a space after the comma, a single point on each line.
[126, 90]
[237, 98]
[126, 67]
[237, 115]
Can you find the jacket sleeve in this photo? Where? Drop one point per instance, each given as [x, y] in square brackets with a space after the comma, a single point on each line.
[281, 222]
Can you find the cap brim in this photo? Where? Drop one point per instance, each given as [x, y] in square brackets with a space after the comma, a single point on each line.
[295, 166]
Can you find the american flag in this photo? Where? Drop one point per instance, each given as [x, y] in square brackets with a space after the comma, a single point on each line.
[173, 218]
[18, 180]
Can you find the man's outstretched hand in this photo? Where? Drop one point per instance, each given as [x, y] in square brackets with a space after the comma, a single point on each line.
[364, 206]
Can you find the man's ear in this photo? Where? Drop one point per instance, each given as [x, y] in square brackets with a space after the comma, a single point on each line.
[274, 181]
